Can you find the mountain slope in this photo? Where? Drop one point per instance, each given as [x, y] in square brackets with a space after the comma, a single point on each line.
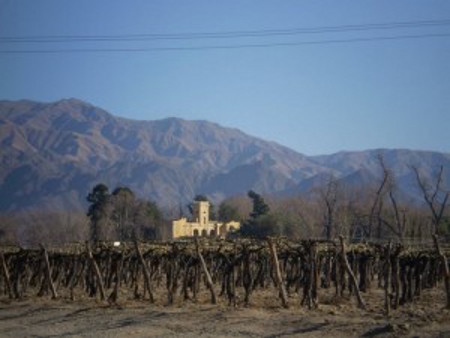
[53, 153]
[359, 167]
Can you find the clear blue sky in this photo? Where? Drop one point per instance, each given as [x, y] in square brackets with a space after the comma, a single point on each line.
[315, 99]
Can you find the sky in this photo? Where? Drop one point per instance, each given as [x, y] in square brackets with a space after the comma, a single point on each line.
[317, 93]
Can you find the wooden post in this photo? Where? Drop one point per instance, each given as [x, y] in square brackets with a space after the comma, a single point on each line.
[206, 272]
[387, 280]
[195, 282]
[350, 272]
[187, 272]
[316, 275]
[446, 269]
[247, 279]
[397, 279]
[170, 283]
[279, 277]
[73, 279]
[328, 268]
[231, 290]
[310, 285]
[6, 274]
[96, 270]
[146, 273]
[114, 296]
[48, 272]
[337, 274]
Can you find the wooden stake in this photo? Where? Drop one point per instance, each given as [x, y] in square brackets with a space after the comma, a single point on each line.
[206, 272]
[446, 269]
[279, 277]
[316, 266]
[96, 270]
[337, 274]
[396, 277]
[114, 296]
[73, 279]
[350, 272]
[146, 273]
[6, 274]
[48, 272]
[387, 281]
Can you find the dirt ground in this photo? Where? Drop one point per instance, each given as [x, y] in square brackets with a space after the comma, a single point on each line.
[43, 317]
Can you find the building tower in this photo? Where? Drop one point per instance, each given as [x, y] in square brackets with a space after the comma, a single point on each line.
[201, 212]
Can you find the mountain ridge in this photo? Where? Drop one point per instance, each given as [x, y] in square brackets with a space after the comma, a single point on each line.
[54, 153]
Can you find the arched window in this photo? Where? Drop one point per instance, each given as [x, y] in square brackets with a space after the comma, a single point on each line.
[231, 229]
[204, 233]
[212, 233]
[195, 232]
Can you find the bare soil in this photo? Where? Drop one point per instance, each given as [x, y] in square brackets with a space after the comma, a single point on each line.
[84, 317]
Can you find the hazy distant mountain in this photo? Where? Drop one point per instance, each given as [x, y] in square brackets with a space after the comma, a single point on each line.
[361, 167]
[52, 154]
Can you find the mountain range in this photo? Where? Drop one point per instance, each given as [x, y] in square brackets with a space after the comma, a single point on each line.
[52, 154]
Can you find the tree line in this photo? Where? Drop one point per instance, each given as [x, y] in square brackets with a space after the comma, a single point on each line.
[372, 212]
[377, 211]
[120, 215]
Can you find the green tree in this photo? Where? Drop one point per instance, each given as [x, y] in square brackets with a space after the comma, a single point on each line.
[148, 220]
[261, 223]
[260, 207]
[122, 216]
[228, 213]
[99, 199]
[262, 226]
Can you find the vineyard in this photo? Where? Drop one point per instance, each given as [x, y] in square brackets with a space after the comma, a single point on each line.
[296, 273]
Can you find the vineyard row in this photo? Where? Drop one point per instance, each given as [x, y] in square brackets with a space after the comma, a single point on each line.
[226, 269]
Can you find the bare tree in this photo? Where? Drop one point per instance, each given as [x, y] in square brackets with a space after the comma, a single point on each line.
[241, 203]
[297, 216]
[435, 196]
[40, 226]
[329, 197]
[377, 204]
[399, 222]
[124, 203]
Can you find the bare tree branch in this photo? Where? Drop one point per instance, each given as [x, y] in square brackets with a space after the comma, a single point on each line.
[432, 197]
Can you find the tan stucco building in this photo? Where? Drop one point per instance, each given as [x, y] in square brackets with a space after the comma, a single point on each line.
[201, 225]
